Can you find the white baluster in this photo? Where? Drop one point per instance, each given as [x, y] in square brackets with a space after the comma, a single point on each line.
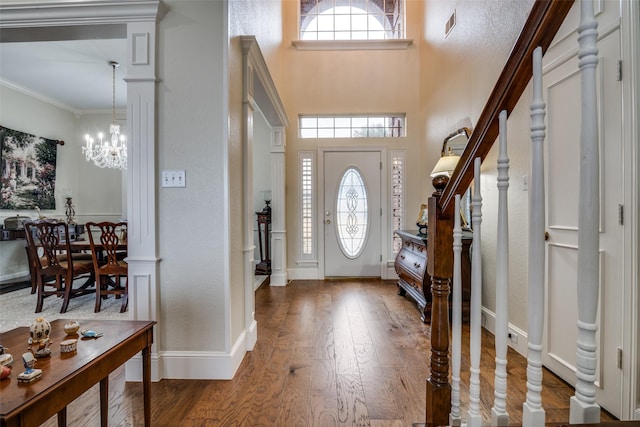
[583, 407]
[455, 418]
[499, 415]
[532, 411]
[474, 418]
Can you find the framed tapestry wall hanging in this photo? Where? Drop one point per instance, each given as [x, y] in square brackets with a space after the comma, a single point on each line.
[28, 170]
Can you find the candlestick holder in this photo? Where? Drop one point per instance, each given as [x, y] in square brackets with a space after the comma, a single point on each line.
[70, 211]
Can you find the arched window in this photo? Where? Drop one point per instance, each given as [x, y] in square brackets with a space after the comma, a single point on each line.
[351, 19]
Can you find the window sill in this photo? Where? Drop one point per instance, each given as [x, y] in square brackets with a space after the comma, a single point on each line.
[392, 44]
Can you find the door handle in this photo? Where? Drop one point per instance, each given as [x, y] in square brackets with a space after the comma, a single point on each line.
[327, 221]
[546, 236]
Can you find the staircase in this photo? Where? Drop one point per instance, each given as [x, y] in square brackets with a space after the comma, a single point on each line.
[444, 243]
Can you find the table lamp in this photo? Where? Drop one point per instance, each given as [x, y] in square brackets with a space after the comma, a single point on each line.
[442, 171]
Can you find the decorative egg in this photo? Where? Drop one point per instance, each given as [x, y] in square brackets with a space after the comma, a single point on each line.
[39, 330]
[71, 327]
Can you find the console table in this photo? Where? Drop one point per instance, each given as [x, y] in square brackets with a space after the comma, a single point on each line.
[264, 229]
[413, 279]
[67, 375]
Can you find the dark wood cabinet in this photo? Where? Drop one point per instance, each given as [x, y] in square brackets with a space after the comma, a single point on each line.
[413, 279]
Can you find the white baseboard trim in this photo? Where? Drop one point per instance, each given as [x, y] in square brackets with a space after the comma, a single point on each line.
[252, 336]
[19, 274]
[258, 281]
[390, 273]
[193, 365]
[133, 369]
[303, 273]
[489, 323]
[278, 280]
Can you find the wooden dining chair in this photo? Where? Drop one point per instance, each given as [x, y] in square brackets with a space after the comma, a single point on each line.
[52, 265]
[30, 248]
[110, 268]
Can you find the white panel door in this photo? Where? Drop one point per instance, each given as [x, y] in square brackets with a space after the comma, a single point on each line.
[351, 214]
[562, 86]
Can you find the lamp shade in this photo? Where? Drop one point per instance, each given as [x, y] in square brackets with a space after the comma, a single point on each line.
[445, 166]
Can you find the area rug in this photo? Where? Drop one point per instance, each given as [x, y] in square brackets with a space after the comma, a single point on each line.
[17, 308]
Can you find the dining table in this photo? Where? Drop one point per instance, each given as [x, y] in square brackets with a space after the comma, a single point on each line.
[85, 245]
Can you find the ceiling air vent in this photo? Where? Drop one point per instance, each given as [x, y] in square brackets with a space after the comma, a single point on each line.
[451, 22]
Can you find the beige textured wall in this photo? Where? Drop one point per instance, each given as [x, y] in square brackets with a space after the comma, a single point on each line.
[192, 120]
[200, 95]
[471, 58]
[264, 21]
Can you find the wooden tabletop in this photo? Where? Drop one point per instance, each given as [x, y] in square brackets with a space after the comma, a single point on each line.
[85, 245]
[67, 375]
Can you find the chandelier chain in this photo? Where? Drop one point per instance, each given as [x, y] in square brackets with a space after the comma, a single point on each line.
[113, 92]
[108, 152]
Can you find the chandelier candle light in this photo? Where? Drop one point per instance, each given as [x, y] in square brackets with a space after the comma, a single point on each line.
[108, 153]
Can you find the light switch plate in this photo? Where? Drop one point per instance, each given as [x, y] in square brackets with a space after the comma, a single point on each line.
[174, 178]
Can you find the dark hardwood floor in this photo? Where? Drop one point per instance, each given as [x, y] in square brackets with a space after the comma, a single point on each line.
[329, 353]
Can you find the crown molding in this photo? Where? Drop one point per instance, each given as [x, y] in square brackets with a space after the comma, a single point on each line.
[256, 63]
[69, 12]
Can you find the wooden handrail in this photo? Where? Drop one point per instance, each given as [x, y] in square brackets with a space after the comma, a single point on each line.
[544, 20]
[541, 27]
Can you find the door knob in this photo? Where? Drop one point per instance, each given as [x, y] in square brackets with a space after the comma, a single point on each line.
[546, 236]
[327, 221]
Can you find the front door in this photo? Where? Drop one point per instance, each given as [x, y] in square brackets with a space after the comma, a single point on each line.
[562, 86]
[351, 214]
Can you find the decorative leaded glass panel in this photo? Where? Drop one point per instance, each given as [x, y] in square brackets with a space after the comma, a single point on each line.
[352, 213]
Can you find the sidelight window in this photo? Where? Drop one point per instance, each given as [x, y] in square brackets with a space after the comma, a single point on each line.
[397, 162]
[307, 205]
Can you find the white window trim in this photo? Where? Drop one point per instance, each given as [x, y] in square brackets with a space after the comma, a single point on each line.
[387, 44]
[302, 257]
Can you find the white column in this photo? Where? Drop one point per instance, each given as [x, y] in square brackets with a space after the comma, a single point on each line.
[583, 408]
[141, 183]
[278, 202]
[256, 76]
[532, 411]
[499, 415]
[248, 244]
[455, 418]
[474, 418]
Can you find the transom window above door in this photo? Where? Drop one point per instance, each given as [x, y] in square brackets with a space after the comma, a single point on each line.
[352, 19]
[346, 126]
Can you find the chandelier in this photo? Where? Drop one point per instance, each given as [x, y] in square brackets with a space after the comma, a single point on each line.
[112, 152]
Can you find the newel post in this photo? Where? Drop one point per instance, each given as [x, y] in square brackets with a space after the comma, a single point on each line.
[440, 268]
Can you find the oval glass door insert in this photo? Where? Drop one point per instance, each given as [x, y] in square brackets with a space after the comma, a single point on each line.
[352, 213]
